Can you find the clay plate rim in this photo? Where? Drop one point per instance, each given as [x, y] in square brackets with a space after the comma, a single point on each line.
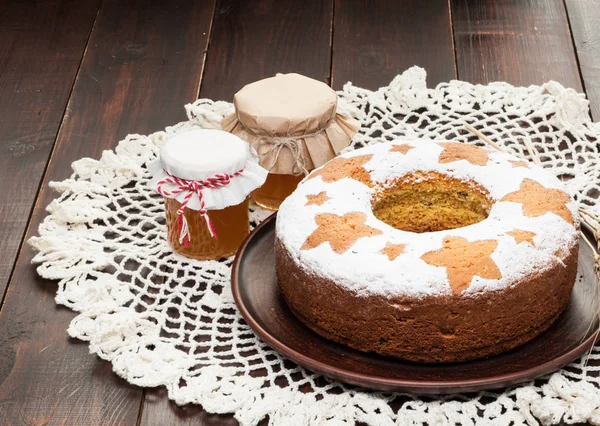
[397, 385]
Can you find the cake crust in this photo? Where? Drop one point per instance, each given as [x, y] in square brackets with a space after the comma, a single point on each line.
[432, 329]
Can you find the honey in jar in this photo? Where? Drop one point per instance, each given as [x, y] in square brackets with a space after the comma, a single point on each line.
[275, 189]
[206, 177]
[231, 225]
[292, 123]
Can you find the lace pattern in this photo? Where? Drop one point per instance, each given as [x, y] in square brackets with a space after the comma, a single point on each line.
[163, 320]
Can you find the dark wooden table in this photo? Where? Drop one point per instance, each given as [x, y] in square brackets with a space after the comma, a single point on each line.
[76, 76]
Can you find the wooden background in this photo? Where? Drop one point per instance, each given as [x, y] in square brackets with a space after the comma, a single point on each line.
[76, 76]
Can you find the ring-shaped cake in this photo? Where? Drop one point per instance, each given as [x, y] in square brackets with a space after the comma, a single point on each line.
[431, 251]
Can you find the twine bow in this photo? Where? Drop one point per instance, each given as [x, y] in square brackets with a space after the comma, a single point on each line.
[293, 144]
[192, 187]
[278, 143]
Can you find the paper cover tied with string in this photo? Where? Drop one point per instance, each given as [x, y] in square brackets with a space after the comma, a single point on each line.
[292, 122]
[206, 177]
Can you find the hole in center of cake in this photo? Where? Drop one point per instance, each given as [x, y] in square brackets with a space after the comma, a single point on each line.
[430, 201]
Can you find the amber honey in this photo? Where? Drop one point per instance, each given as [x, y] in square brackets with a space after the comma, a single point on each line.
[231, 225]
[275, 189]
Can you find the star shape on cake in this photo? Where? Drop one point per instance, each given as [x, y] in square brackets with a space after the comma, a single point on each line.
[401, 148]
[464, 260]
[521, 236]
[340, 168]
[317, 199]
[341, 232]
[538, 200]
[392, 251]
[519, 163]
[455, 151]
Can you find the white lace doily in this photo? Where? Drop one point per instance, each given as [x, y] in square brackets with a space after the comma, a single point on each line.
[164, 320]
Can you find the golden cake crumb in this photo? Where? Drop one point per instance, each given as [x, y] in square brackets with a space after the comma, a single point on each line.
[455, 151]
[392, 251]
[429, 202]
[522, 236]
[340, 168]
[317, 199]
[538, 200]
[341, 232]
[464, 260]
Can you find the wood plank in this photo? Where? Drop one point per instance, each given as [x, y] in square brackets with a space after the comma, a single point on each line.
[41, 46]
[522, 42]
[374, 40]
[259, 38]
[584, 16]
[252, 40]
[144, 62]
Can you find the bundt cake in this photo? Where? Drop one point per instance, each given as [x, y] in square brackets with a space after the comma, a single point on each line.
[430, 251]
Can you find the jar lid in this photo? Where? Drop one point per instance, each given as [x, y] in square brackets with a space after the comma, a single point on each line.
[285, 105]
[292, 123]
[206, 169]
[199, 154]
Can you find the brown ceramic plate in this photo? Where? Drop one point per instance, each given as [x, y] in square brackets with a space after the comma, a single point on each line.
[257, 296]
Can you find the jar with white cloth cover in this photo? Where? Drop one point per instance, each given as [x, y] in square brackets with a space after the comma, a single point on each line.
[206, 177]
[293, 123]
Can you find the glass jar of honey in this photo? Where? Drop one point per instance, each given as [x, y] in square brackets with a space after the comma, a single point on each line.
[275, 189]
[206, 177]
[231, 225]
[293, 124]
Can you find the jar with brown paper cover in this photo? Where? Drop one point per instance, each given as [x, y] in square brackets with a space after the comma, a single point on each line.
[293, 124]
[206, 177]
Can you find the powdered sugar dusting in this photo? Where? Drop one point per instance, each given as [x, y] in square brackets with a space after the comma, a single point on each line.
[365, 270]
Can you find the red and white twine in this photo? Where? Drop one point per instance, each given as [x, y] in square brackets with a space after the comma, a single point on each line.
[192, 187]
